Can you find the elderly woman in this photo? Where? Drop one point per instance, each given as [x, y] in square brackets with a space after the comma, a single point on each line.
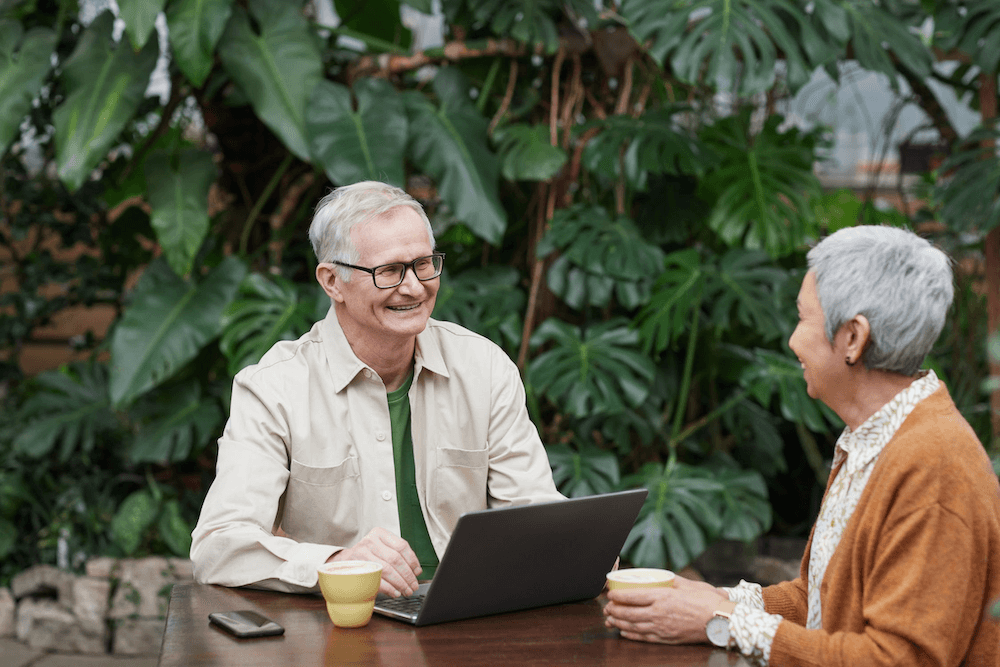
[904, 557]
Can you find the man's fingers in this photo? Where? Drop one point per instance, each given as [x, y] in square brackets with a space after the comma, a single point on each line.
[401, 547]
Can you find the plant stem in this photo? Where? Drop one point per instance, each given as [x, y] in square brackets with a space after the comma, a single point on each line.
[714, 414]
[264, 196]
[686, 378]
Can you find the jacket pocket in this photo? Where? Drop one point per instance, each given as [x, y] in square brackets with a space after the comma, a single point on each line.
[323, 505]
[460, 483]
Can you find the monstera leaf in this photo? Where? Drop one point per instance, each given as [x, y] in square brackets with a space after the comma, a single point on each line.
[363, 144]
[104, 83]
[746, 511]
[735, 41]
[601, 256]
[277, 68]
[451, 147]
[25, 60]
[70, 408]
[772, 372]
[266, 311]
[970, 196]
[136, 513]
[168, 322]
[654, 143]
[584, 471]
[139, 17]
[526, 153]
[881, 41]
[679, 518]
[762, 186]
[177, 187]
[487, 301]
[195, 27]
[529, 21]
[589, 370]
[173, 421]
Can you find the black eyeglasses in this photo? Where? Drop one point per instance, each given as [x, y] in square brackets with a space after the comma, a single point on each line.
[387, 276]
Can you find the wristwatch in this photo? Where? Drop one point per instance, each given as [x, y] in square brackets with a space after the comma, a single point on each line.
[717, 629]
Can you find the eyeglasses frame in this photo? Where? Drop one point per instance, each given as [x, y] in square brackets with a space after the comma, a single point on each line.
[402, 276]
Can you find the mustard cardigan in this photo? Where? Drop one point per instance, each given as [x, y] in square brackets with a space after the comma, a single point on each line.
[918, 565]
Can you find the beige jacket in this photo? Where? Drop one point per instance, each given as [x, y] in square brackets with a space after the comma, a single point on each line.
[308, 450]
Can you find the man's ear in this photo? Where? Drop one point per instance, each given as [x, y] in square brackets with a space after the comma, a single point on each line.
[326, 276]
[858, 331]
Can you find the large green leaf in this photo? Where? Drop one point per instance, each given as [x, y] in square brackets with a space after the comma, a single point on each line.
[597, 369]
[527, 154]
[105, 83]
[654, 143]
[266, 311]
[773, 372]
[172, 423]
[377, 18]
[139, 17]
[175, 531]
[679, 519]
[136, 513]
[8, 537]
[725, 42]
[195, 27]
[168, 322]
[583, 471]
[970, 195]
[367, 143]
[177, 187]
[746, 510]
[70, 408]
[25, 60]
[277, 67]
[601, 256]
[980, 33]
[487, 301]
[763, 184]
[881, 41]
[451, 147]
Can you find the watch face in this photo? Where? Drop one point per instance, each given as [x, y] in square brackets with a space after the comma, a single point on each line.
[717, 630]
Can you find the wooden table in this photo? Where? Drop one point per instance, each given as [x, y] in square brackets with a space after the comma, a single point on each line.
[565, 634]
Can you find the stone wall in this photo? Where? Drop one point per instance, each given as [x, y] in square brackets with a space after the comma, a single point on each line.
[118, 606]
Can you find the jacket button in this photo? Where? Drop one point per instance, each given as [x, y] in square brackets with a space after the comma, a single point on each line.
[386, 495]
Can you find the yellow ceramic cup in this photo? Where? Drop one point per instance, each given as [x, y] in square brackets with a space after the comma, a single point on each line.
[349, 588]
[640, 577]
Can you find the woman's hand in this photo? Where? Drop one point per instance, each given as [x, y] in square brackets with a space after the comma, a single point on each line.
[675, 615]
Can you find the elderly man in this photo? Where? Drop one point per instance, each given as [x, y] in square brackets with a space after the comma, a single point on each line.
[367, 437]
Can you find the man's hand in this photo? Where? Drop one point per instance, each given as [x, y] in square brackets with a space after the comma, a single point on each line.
[400, 566]
[674, 615]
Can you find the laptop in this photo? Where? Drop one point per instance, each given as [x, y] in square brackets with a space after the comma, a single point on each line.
[512, 558]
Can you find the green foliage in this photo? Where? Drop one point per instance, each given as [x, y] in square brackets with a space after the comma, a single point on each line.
[451, 147]
[969, 196]
[583, 472]
[195, 27]
[104, 88]
[763, 185]
[486, 301]
[597, 369]
[267, 310]
[139, 17]
[526, 154]
[25, 60]
[601, 256]
[277, 68]
[358, 145]
[170, 320]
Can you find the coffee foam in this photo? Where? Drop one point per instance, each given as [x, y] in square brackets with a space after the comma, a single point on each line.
[350, 567]
[641, 575]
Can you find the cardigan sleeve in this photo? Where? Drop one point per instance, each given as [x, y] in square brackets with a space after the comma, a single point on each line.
[920, 600]
[788, 599]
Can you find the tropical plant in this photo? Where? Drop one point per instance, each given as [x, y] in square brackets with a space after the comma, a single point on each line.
[634, 245]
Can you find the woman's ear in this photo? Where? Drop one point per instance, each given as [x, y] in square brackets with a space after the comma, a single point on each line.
[858, 334]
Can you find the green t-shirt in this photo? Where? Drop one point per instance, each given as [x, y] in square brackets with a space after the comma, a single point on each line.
[411, 517]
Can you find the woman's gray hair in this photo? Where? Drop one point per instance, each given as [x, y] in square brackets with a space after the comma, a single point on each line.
[899, 281]
[348, 206]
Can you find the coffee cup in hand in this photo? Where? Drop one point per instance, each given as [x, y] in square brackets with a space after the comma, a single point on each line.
[640, 577]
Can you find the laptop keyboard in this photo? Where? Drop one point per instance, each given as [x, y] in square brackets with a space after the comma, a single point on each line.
[406, 605]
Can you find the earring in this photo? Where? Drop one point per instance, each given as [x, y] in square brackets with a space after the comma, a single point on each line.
[847, 360]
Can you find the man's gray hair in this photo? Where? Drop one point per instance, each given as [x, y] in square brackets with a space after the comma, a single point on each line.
[899, 281]
[348, 206]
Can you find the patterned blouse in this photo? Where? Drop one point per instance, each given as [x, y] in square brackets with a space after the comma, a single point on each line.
[751, 629]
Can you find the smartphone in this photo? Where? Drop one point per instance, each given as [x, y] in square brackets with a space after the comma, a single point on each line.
[245, 623]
